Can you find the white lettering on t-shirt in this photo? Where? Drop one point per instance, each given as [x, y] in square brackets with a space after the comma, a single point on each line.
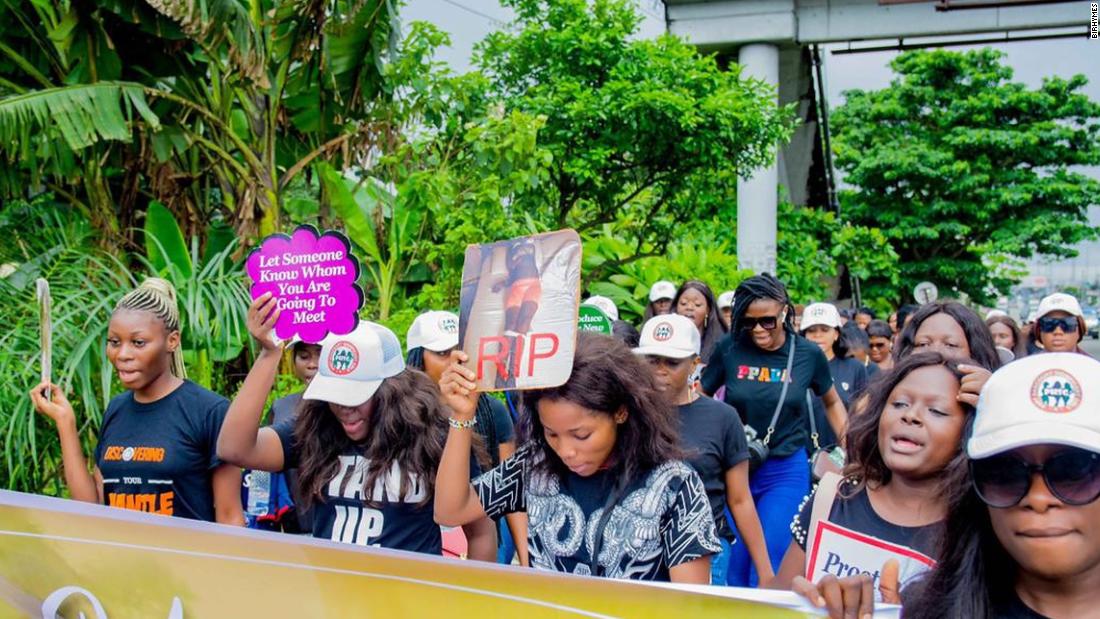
[351, 477]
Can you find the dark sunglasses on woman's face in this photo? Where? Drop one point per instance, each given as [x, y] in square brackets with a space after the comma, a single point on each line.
[767, 322]
[878, 345]
[1073, 476]
[1049, 325]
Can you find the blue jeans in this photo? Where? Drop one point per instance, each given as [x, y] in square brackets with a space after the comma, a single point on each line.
[777, 487]
[507, 548]
[720, 564]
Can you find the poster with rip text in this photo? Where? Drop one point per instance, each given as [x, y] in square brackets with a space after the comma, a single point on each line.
[518, 317]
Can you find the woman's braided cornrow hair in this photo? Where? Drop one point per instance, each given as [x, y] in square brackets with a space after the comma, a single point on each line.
[158, 297]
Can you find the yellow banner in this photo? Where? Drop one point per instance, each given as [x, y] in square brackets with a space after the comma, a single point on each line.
[61, 558]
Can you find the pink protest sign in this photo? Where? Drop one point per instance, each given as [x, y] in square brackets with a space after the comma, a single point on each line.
[313, 276]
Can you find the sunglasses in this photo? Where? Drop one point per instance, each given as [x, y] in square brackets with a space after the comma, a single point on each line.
[1049, 325]
[668, 362]
[767, 322]
[1072, 475]
[876, 346]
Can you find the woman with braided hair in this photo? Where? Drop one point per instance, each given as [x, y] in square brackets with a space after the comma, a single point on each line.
[767, 368]
[157, 443]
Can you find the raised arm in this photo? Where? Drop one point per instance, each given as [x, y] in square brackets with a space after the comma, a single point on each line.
[456, 502]
[241, 441]
[83, 486]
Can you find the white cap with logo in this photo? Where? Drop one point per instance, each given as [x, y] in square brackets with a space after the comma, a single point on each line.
[353, 366]
[436, 331]
[605, 305]
[662, 290]
[1047, 398]
[1059, 302]
[670, 335]
[725, 299]
[820, 314]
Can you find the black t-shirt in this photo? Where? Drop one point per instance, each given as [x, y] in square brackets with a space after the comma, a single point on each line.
[753, 383]
[1014, 608]
[159, 457]
[382, 519]
[715, 439]
[661, 521]
[850, 380]
[284, 410]
[856, 513]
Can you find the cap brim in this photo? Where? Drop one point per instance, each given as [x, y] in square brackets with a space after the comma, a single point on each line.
[441, 344]
[664, 351]
[342, 391]
[1035, 433]
[806, 325]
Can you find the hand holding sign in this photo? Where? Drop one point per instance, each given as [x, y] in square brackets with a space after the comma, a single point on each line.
[851, 596]
[263, 314]
[313, 278]
[518, 319]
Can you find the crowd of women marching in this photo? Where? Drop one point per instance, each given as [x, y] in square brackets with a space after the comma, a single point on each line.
[733, 439]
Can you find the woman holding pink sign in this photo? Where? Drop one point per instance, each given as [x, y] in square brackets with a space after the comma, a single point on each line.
[366, 441]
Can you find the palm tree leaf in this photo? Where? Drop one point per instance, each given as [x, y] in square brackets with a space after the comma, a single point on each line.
[82, 114]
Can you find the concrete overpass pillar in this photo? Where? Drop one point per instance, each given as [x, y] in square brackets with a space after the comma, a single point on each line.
[757, 196]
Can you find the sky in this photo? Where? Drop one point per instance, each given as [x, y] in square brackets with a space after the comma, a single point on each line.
[468, 21]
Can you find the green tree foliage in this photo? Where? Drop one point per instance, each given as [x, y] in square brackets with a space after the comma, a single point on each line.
[966, 171]
[634, 127]
[815, 248]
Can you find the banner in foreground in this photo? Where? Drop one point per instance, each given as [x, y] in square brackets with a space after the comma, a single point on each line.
[62, 558]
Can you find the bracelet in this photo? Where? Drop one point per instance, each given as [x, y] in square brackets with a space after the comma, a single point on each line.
[459, 424]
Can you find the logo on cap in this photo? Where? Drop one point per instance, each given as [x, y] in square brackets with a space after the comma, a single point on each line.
[448, 325]
[662, 332]
[343, 358]
[1055, 391]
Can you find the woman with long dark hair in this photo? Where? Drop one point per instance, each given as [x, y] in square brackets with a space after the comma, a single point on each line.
[955, 331]
[366, 441]
[1006, 334]
[600, 476]
[695, 300]
[767, 368]
[901, 450]
[1023, 530]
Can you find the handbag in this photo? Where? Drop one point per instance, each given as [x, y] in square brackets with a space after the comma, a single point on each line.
[822, 461]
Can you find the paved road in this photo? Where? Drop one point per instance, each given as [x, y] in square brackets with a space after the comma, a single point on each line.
[1092, 347]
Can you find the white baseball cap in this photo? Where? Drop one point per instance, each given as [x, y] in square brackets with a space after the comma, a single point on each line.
[671, 335]
[605, 305]
[995, 313]
[725, 299]
[1059, 302]
[1040, 399]
[820, 314]
[353, 366]
[662, 290]
[436, 331]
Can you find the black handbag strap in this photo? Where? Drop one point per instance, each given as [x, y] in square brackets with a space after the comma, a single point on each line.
[786, 386]
[597, 543]
[813, 423]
